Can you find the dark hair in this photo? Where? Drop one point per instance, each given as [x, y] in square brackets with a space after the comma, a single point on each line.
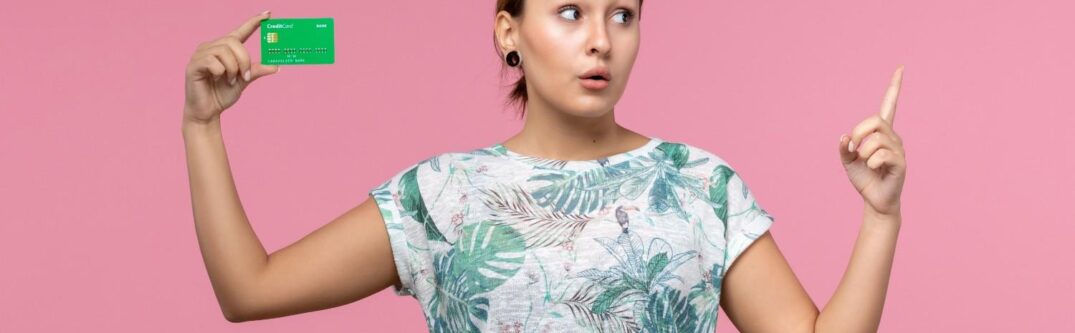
[518, 94]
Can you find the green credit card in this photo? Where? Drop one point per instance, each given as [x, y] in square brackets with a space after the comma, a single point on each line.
[297, 41]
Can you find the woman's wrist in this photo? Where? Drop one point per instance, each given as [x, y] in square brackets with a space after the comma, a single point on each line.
[200, 125]
[889, 219]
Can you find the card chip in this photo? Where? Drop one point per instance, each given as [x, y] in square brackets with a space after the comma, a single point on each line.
[273, 37]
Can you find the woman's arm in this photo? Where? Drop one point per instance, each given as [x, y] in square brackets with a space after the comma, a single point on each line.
[343, 261]
[762, 294]
[232, 253]
[857, 304]
[339, 263]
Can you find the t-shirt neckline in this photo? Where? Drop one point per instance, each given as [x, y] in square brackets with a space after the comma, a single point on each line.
[547, 163]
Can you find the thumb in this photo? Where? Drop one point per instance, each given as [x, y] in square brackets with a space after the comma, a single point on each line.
[846, 156]
[258, 70]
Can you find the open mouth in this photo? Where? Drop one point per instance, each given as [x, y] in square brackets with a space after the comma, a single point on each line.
[594, 82]
[595, 78]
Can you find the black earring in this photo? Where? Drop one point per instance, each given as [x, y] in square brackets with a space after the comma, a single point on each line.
[513, 58]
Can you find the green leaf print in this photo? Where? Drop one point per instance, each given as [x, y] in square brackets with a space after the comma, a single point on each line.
[588, 191]
[706, 299]
[718, 191]
[455, 306]
[382, 194]
[617, 319]
[669, 159]
[677, 153]
[656, 265]
[481, 260]
[607, 298]
[663, 198]
[717, 275]
[634, 187]
[705, 296]
[488, 254]
[539, 226]
[645, 269]
[668, 311]
[639, 271]
[411, 199]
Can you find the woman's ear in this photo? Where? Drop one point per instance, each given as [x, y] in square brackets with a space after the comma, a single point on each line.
[505, 32]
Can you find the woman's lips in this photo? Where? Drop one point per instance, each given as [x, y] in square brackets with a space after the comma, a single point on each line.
[596, 78]
[594, 84]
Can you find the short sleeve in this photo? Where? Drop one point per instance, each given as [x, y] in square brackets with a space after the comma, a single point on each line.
[745, 220]
[401, 206]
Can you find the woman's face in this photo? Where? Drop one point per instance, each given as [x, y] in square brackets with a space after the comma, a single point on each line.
[562, 43]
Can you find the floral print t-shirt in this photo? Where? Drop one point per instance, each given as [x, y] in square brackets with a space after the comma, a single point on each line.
[491, 240]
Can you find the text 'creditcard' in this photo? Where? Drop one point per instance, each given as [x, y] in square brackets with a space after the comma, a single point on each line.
[298, 41]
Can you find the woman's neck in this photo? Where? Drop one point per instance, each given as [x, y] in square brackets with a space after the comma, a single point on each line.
[558, 135]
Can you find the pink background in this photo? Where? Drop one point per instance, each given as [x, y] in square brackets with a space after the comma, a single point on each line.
[97, 231]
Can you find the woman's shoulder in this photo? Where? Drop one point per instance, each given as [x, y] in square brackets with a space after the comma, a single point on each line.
[688, 154]
[434, 160]
[441, 163]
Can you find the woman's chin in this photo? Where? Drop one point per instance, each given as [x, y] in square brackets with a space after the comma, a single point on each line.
[596, 112]
[590, 106]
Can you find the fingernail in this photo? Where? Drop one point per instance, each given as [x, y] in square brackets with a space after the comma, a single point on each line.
[246, 76]
[265, 12]
[232, 82]
[850, 146]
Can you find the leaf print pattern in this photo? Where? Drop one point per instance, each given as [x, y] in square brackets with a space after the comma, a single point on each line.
[718, 192]
[586, 192]
[539, 226]
[492, 240]
[667, 311]
[414, 207]
[642, 268]
[489, 254]
[669, 159]
[455, 303]
[705, 296]
[614, 320]
[482, 260]
[628, 284]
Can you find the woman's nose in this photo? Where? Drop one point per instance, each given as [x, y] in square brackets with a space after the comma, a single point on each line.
[599, 42]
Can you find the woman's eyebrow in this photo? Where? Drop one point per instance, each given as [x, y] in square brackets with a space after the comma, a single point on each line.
[625, 4]
[633, 4]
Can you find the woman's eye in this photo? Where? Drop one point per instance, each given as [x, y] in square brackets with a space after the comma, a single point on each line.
[569, 13]
[622, 17]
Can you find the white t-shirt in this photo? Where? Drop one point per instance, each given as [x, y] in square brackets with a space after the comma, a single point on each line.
[491, 240]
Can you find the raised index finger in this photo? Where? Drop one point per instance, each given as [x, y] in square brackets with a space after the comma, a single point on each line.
[888, 107]
[243, 31]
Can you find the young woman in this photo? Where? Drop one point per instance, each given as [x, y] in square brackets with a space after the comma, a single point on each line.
[575, 223]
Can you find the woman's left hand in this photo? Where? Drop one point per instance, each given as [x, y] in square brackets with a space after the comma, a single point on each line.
[873, 156]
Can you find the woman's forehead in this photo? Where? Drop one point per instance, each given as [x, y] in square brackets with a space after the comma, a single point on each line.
[553, 3]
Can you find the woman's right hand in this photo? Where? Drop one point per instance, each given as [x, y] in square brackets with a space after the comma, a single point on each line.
[219, 71]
